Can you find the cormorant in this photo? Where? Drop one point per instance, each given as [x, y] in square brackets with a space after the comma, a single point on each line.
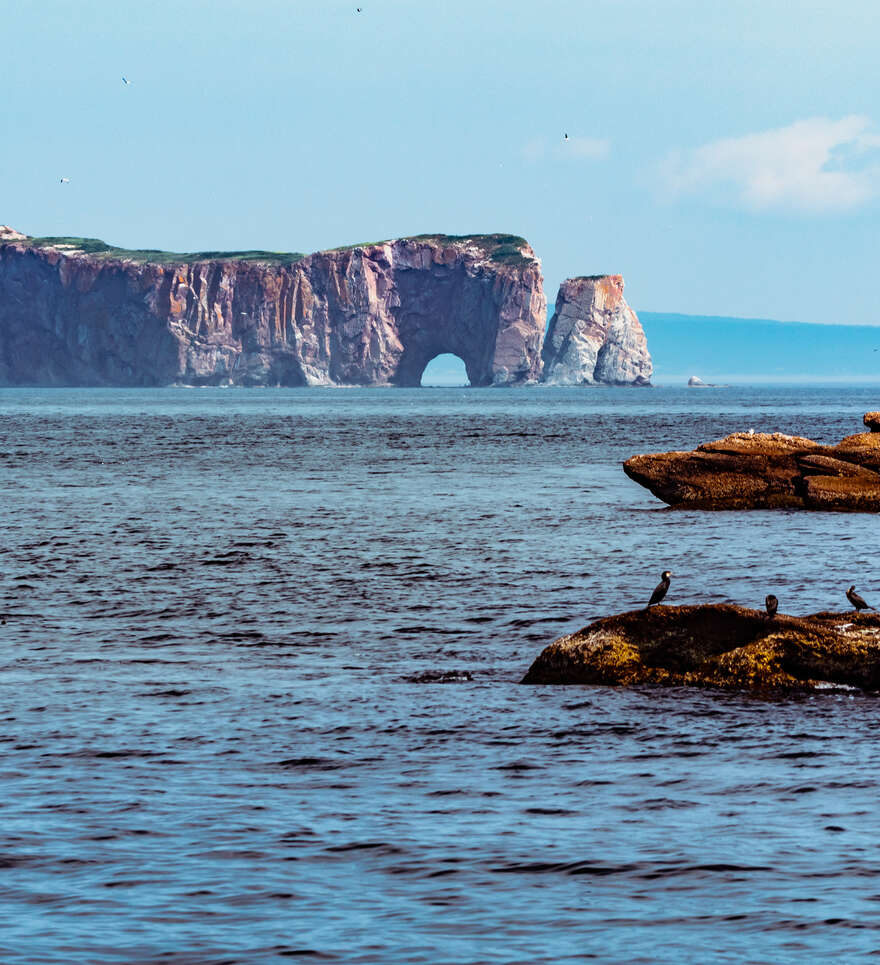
[856, 600]
[772, 605]
[660, 590]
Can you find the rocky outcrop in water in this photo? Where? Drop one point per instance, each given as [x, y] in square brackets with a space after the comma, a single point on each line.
[594, 336]
[77, 312]
[717, 646]
[758, 470]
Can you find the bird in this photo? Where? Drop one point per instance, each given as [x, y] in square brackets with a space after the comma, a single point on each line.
[65, 180]
[772, 605]
[856, 600]
[125, 80]
[565, 137]
[660, 590]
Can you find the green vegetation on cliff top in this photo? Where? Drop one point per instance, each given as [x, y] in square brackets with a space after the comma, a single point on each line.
[100, 249]
[505, 249]
[501, 248]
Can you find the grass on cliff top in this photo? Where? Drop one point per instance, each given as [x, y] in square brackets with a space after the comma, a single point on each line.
[501, 248]
[100, 249]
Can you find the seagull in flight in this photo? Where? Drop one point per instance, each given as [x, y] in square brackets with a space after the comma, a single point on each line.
[65, 180]
[125, 80]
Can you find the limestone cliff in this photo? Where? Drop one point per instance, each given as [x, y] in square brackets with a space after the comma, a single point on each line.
[77, 312]
[594, 336]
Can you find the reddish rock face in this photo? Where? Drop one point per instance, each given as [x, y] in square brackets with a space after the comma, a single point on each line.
[594, 336]
[766, 471]
[370, 315]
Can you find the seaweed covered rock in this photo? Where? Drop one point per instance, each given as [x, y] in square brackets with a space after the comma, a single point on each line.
[756, 470]
[717, 645]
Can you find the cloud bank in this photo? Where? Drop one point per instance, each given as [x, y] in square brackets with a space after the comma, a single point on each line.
[815, 165]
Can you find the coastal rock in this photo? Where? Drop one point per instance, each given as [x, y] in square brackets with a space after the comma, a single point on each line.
[594, 336]
[717, 645]
[749, 470]
[77, 312]
[872, 421]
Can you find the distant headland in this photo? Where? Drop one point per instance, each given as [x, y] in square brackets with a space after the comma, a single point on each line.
[77, 311]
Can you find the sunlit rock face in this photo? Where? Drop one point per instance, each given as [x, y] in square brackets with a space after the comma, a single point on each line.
[758, 470]
[594, 336]
[367, 315]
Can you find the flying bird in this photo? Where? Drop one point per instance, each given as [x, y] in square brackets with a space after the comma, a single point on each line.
[125, 80]
[565, 137]
[660, 589]
[857, 601]
[772, 605]
[65, 180]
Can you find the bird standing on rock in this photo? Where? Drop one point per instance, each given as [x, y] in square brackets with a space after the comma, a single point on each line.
[856, 600]
[772, 605]
[660, 590]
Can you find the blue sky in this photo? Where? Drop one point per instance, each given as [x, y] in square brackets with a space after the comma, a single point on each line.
[725, 158]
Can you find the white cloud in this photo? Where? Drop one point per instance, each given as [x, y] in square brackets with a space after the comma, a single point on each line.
[575, 148]
[812, 165]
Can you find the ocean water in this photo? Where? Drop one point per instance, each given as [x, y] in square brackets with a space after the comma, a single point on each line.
[260, 693]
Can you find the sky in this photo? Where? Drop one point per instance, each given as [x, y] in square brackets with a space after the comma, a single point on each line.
[723, 157]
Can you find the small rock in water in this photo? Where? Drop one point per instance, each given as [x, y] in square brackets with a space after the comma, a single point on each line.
[440, 677]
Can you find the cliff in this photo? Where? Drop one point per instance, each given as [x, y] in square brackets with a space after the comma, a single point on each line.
[756, 470]
[594, 336]
[77, 312]
[717, 645]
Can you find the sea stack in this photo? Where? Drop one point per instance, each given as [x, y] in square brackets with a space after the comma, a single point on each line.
[594, 337]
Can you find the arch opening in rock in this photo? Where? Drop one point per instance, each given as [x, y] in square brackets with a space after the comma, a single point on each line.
[446, 369]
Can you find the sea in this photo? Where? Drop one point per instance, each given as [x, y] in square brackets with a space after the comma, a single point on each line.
[261, 701]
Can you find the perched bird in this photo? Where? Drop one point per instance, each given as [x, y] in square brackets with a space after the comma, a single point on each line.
[772, 605]
[65, 180]
[660, 590]
[856, 600]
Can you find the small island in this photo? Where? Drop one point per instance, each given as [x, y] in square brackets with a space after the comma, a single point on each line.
[78, 311]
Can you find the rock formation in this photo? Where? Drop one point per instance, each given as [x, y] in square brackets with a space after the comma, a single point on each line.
[76, 312]
[594, 336]
[717, 646]
[758, 470]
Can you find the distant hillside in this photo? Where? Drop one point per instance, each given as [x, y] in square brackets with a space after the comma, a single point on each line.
[737, 349]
